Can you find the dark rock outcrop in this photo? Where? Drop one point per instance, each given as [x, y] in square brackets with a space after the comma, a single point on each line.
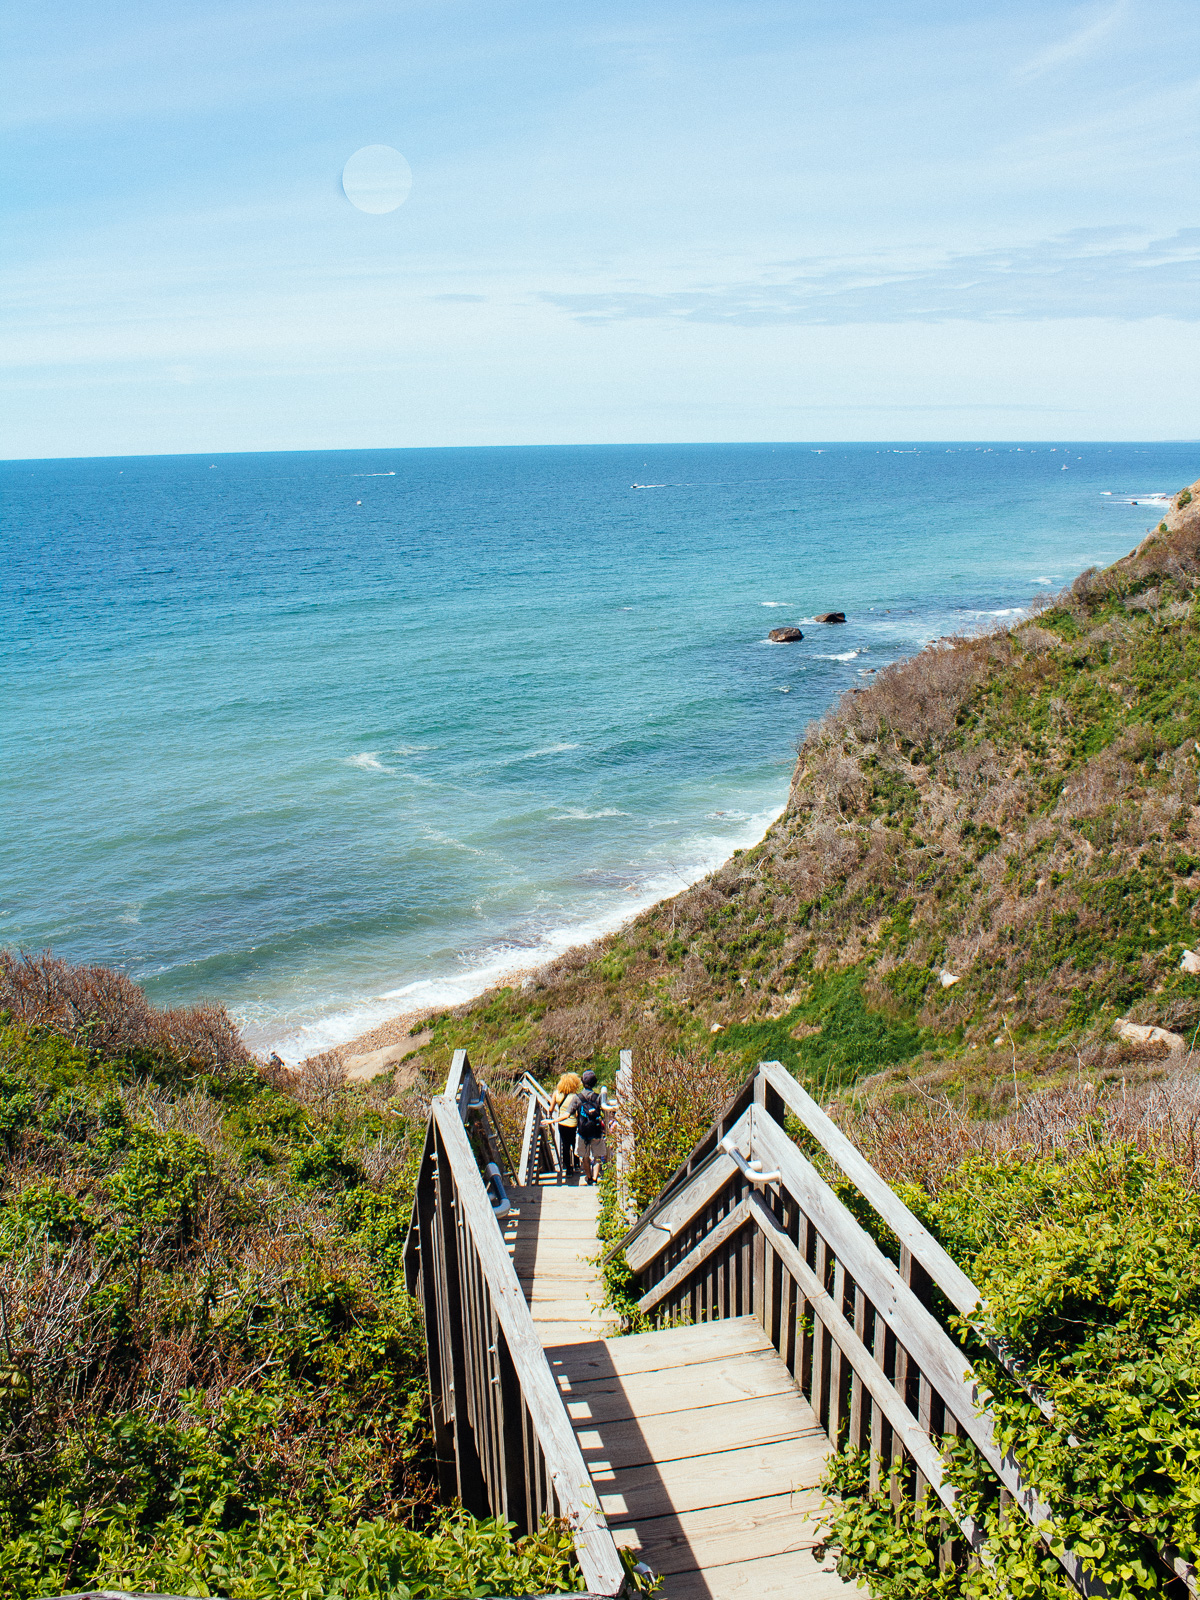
[784, 635]
[830, 616]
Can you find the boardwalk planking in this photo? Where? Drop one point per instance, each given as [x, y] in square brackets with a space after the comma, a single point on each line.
[704, 1456]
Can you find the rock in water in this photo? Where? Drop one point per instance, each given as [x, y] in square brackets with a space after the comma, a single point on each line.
[831, 616]
[784, 635]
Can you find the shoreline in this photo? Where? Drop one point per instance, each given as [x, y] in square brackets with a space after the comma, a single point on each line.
[433, 995]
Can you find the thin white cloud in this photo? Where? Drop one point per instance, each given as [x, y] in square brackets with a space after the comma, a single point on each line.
[1110, 273]
[1082, 42]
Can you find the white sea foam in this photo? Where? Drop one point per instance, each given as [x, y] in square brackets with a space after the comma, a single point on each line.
[774, 602]
[846, 655]
[455, 844]
[506, 958]
[368, 761]
[410, 749]
[547, 750]
[577, 814]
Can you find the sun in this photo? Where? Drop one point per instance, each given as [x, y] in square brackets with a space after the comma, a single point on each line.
[376, 179]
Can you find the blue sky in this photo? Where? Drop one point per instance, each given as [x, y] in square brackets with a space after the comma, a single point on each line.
[669, 222]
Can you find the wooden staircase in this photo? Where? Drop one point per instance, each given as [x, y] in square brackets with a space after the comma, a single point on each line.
[782, 1325]
[703, 1455]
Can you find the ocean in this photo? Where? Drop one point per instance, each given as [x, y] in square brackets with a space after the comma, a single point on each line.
[331, 736]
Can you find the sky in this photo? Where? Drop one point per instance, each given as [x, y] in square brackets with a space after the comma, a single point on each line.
[679, 221]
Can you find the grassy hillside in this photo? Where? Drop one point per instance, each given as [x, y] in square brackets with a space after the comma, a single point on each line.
[1018, 811]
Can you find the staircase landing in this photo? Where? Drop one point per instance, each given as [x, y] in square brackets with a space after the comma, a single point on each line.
[703, 1453]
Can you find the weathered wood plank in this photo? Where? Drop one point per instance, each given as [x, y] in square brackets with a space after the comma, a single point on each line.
[904, 1424]
[924, 1338]
[726, 1477]
[680, 1435]
[797, 1576]
[668, 1348]
[950, 1278]
[644, 1394]
[725, 1229]
[644, 1240]
[714, 1536]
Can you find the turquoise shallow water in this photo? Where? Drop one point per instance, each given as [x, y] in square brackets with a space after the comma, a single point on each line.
[330, 735]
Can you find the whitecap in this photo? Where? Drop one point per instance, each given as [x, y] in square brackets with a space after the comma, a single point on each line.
[774, 602]
[548, 750]
[455, 844]
[578, 814]
[846, 655]
[410, 749]
[368, 761]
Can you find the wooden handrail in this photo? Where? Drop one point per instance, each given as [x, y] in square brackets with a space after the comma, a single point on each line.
[504, 1442]
[912, 1234]
[880, 1365]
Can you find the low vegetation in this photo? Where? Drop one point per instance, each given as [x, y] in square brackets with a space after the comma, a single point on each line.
[211, 1378]
[1079, 1220]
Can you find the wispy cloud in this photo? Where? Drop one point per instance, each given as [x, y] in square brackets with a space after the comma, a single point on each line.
[1082, 42]
[1092, 272]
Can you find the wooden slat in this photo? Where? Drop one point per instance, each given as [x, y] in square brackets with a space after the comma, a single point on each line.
[650, 1235]
[458, 1065]
[949, 1277]
[916, 1441]
[598, 1556]
[727, 1477]
[923, 1337]
[730, 1117]
[680, 1435]
[725, 1229]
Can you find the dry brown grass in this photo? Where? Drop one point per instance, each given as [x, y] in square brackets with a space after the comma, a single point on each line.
[922, 1142]
[104, 1010]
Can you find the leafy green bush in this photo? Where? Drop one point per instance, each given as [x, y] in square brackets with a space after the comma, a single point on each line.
[211, 1377]
[1090, 1268]
[282, 1556]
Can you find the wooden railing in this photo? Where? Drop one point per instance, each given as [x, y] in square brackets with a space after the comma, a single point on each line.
[747, 1226]
[504, 1443]
[539, 1143]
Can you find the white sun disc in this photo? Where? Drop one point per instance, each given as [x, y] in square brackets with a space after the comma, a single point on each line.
[376, 179]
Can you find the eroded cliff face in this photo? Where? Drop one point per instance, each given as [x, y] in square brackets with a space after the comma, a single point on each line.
[988, 857]
[1183, 519]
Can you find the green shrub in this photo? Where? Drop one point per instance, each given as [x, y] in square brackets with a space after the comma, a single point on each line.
[1090, 1268]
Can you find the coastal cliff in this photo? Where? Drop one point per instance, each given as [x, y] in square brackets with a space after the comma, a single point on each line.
[988, 858]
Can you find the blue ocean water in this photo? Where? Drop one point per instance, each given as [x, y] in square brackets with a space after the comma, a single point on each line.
[328, 736]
